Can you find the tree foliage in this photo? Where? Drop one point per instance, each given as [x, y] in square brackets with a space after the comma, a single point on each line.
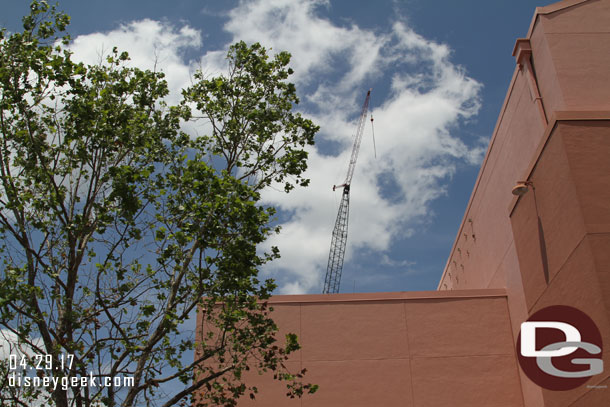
[116, 225]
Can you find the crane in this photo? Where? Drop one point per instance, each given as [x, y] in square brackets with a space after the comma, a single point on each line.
[339, 238]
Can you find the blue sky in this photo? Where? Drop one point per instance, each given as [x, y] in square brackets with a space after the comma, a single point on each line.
[439, 72]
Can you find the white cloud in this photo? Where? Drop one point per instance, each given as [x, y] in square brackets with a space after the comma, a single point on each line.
[9, 345]
[151, 45]
[385, 259]
[417, 152]
[315, 43]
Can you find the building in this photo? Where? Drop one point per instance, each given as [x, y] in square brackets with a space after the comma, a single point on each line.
[513, 255]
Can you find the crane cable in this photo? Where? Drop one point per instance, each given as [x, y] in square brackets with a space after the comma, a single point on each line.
[373, 129]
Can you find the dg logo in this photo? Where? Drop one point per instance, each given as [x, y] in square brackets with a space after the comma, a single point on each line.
[560, 348]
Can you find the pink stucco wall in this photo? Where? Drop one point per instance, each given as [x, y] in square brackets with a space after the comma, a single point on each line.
[399, 349]
[553, 130]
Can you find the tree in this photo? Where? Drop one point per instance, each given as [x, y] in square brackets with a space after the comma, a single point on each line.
[116, 225]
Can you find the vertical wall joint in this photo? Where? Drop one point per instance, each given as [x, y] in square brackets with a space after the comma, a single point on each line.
[523, 54]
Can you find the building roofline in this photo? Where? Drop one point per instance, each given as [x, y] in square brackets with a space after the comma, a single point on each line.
[552, 8]
[387, 296]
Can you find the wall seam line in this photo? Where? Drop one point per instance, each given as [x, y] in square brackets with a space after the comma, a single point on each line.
[559, 270]
[404, 310]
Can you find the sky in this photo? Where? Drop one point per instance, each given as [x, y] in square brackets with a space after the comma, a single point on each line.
[439, 71]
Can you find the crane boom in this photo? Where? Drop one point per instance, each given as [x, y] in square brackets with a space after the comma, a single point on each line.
[357, 140]
[338, 241]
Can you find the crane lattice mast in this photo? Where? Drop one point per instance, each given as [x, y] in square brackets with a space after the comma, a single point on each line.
[339, 238]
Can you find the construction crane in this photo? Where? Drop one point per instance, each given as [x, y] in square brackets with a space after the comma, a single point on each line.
[339, 238]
